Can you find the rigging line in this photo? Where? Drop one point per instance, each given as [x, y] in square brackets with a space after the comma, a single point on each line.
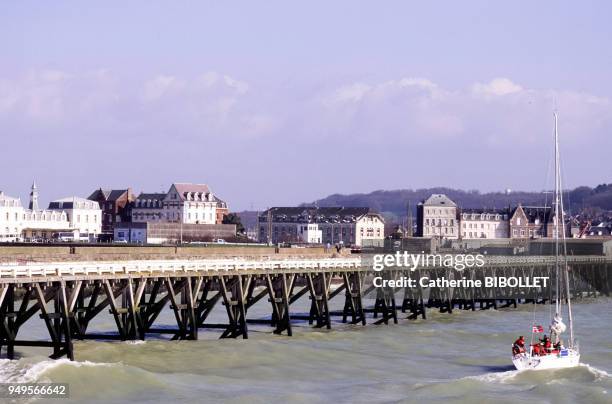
[548, 179]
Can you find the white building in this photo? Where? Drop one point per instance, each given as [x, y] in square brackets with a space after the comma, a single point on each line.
[183, 203]
[190, 203]
[369, 229]
[12, 217]
[84, 215]
[310, 233]
[484, 224]
[70, 217]
[437, 217]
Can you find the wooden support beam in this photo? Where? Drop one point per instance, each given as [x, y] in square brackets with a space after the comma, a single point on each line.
[181, 332]
[110, 296]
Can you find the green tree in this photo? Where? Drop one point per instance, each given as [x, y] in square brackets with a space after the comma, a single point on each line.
[232, 218]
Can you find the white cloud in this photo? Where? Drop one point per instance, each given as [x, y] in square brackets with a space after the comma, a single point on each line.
[210, 102]
[241, 87]
[494, 113]
[414, 110]
[162, 85]
[496, 87]
[351, 93]
[417, 82]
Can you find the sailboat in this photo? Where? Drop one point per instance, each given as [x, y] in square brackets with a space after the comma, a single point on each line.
[552, 353]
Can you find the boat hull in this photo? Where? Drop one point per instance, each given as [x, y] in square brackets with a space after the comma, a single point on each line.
[554, 361]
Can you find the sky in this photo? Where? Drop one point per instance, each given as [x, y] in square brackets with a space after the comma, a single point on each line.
[278, 103]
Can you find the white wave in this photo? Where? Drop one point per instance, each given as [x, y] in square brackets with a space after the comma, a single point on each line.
[600, 374]
[502, 377]
[136, 342]
[22, 371]
[498, 377]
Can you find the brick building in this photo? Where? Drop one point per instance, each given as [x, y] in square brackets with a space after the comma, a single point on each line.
[531, 222]
[116, 207]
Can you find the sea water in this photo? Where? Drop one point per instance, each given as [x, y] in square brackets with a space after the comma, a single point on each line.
[460, 357]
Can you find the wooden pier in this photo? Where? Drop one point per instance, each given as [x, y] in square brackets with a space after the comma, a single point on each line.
[67, 296]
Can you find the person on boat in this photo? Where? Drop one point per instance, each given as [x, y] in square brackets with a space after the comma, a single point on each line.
[518, 346]
[546, 344]
[536, 350]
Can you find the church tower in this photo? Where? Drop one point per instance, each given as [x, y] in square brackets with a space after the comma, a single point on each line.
[33, 197]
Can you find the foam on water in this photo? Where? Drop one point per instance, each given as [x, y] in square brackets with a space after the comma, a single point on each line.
[495, 377]
[598, 373]
[136, 342]
[504, 377]
[26, 371]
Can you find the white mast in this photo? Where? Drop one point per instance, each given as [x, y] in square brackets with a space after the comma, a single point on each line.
[560, 228]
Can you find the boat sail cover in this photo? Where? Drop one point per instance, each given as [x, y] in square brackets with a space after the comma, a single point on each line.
[558, 326]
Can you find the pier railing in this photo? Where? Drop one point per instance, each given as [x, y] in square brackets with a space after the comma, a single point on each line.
[14, 271]
[168, 267]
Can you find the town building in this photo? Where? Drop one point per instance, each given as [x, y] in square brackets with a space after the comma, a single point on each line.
[149, 207]
[83, 215]
[65, 220]
[531, 222]
[437, 217]
[221, 210]
[321, 225]
[12, 216]
[190, 203]
[183, 203]
[484, 223]
[45, 224]
[310, 233]
[116, 207]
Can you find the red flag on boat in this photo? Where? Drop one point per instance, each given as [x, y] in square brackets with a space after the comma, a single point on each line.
[537, 328]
